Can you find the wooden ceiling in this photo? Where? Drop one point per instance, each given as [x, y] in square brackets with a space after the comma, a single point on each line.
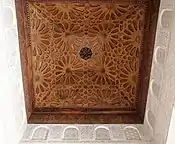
[86, 61]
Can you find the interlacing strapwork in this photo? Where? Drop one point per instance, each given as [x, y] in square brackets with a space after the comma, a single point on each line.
[107, 79]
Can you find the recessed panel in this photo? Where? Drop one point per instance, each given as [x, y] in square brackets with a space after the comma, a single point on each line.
[86, 58]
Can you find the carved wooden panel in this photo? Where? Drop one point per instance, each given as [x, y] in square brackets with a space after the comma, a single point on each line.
[85, 57]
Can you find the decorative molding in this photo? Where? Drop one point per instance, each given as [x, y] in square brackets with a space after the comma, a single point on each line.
[100, 133]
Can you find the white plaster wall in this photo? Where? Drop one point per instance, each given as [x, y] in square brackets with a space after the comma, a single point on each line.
[12, 111]
[171, 131]
[171, 137]
[162, 87]
[86, 133]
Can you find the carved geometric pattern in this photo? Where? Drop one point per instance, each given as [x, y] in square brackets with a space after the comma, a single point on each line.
[106, 79]
[92, 133]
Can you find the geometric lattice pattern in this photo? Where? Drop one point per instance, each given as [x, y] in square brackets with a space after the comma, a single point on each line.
[106, 80]
[132, 133]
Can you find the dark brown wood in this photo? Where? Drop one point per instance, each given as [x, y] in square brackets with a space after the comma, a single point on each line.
[24, 47]
[146, 60]
[109, 87]
[47, 118]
